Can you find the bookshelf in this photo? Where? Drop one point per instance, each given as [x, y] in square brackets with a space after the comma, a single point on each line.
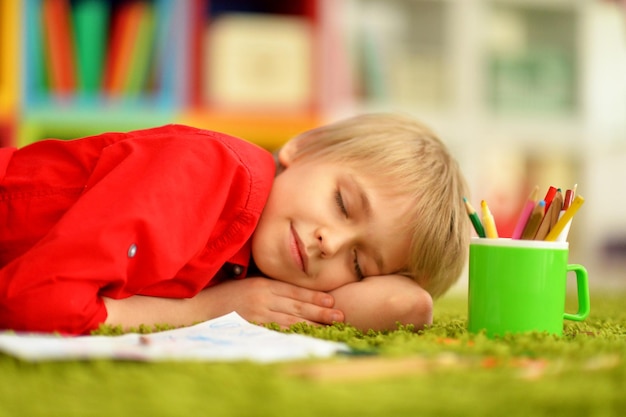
[514, 69]
[401, 52]
[496, 78]
[524, 91]
[244, 67]
[252, 68]
[93, 65]
[101, 53]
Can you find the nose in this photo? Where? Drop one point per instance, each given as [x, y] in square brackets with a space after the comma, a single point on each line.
[333, 241]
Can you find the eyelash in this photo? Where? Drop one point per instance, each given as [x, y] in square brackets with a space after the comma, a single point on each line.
[357, 267]
[340, 203]
[342, 207]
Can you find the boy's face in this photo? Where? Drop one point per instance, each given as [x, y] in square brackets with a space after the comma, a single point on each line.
[326, 225]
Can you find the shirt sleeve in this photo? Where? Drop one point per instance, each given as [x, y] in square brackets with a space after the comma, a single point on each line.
[151, 203]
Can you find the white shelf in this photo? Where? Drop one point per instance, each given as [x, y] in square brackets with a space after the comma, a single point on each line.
[576, 115]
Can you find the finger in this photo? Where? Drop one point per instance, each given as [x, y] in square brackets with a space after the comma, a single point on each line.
[305, 295]
[307, 311]
[285, 321]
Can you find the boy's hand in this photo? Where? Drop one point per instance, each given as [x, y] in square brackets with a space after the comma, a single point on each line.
[263, 300]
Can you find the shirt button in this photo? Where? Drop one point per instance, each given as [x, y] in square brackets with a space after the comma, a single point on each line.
[237, 270]
[132, 251]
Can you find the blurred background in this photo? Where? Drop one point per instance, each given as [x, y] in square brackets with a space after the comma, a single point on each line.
[525, 92]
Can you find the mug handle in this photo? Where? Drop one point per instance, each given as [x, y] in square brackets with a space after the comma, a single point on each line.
[582, 285]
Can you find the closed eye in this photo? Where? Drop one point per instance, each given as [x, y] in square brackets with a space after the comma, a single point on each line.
[357, 267]
[340, 203]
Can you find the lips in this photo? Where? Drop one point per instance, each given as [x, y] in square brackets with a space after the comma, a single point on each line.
[297, 251]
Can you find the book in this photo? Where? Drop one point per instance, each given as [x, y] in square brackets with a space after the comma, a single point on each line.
[169, 60]
[197, 73]
[259, 61]
[9, 54]
[141, 51]
[58, 42]
[91, 18]
[34, 73]
[124, 30]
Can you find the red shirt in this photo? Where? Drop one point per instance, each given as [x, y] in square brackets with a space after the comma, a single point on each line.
[158, 212]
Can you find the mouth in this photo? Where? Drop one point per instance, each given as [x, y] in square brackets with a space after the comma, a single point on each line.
[297, 251]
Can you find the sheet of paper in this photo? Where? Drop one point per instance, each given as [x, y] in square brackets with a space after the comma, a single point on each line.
[227, 338]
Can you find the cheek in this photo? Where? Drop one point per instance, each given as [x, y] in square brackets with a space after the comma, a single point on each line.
[330, 278]
[265, 243]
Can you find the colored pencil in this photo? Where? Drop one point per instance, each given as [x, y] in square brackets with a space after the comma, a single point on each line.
[534, 221]
[551, 216]
[560, 225]
[488, 222]
[558, 201]
[549, 196]
[478, 227]
[525, 215]
[567, 200]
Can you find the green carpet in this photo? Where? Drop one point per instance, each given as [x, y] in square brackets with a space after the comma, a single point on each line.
[442, 371]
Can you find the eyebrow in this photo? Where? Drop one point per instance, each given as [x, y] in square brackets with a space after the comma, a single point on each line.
[367, 209]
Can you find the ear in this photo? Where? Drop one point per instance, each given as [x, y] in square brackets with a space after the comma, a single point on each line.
[287, 152]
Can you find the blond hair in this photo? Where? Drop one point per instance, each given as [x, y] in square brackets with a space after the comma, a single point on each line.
[404, 151]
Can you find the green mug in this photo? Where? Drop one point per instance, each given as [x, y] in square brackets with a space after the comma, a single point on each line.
[518, 286]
